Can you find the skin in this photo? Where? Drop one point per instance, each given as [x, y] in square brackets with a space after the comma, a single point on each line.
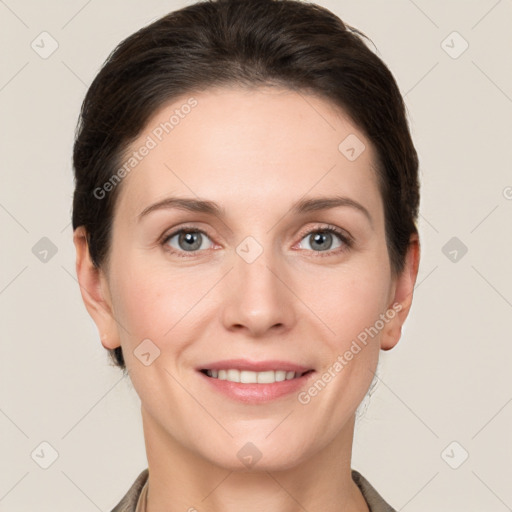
[254, 152]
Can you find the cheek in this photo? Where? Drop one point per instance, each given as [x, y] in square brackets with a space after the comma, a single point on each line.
[347, 300]
[350, 303]
[147, 303]
[158, 303]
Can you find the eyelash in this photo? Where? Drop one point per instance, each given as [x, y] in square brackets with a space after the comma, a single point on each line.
[345, 239]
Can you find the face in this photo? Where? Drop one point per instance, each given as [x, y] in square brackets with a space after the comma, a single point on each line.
[246, 238]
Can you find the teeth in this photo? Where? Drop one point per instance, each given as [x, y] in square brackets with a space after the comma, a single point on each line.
[233, 375]
[248, 377]
[280, 375]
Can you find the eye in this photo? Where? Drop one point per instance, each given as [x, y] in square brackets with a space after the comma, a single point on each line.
[187, 239]
[191, 240]
[322, 239]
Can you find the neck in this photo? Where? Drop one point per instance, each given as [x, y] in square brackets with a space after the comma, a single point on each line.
[181, 480]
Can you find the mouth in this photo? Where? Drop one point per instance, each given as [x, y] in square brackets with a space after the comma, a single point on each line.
[255, 382]
[253, 377]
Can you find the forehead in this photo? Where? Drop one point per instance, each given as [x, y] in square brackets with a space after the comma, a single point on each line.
[251, 145]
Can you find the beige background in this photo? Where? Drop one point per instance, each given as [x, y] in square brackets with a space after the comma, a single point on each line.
[449, 378]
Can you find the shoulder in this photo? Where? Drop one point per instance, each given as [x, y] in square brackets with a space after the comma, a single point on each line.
[374, 500]
[130, 499]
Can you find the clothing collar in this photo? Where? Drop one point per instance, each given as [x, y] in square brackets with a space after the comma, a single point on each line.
[135, 499]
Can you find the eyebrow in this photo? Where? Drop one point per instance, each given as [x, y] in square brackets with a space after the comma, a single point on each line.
[209, 207]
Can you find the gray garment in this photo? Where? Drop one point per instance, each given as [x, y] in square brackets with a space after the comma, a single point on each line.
[374, 500]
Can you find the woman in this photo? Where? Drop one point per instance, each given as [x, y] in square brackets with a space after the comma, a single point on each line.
[218, 149]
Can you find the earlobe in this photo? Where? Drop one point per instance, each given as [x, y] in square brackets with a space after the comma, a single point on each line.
[94, 291]
[403, 294]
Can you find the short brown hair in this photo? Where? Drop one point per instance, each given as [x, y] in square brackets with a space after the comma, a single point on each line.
[286, 43]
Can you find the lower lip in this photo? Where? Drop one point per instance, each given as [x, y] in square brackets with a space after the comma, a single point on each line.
[257, 393]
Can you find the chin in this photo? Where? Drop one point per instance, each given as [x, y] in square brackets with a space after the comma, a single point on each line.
[244, 455]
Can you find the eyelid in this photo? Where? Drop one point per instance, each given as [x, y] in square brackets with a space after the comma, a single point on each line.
[344, 235]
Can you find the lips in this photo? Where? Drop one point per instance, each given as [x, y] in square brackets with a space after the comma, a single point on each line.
[255, 387]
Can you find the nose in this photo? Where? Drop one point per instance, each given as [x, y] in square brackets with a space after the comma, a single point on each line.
[257, 297]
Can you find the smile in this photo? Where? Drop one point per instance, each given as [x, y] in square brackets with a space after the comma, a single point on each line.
[251, 377]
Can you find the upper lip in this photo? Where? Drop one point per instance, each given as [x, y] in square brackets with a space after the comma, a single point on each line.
[255, 366]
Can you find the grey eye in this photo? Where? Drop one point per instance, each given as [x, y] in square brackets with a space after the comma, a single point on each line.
[322, 240]
[188, 240]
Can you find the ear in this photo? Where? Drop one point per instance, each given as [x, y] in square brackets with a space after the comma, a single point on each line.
[402, 295]
[95, 291]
